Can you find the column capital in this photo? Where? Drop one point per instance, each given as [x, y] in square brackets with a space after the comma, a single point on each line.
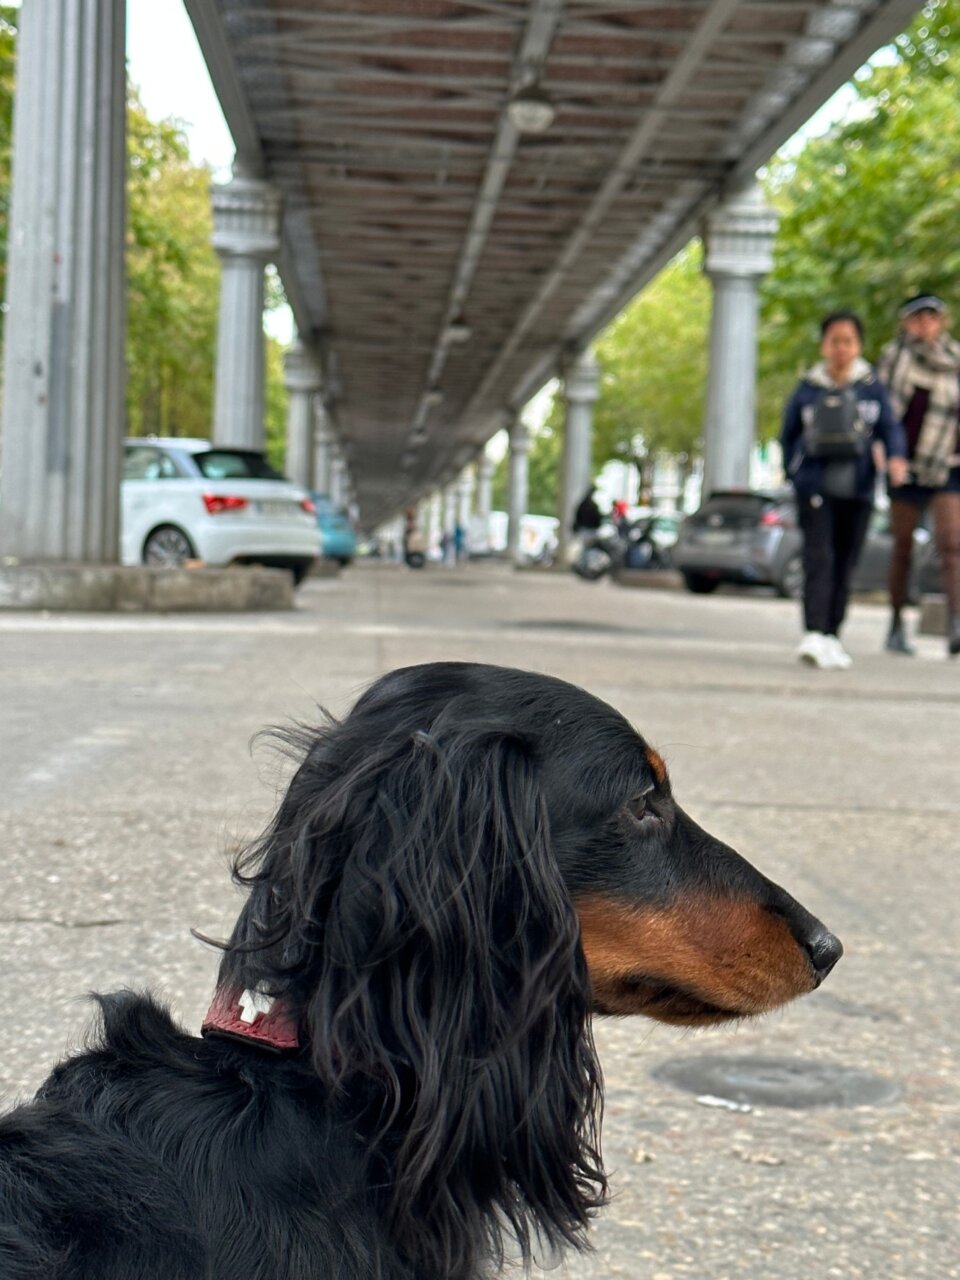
[739, 235]
[246, 218]
[581, 378]
[519, 436]
[301, 372]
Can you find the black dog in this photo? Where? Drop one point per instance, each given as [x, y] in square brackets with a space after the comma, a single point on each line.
[397, 1069]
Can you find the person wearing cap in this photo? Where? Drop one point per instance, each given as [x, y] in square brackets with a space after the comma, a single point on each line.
[921, 371]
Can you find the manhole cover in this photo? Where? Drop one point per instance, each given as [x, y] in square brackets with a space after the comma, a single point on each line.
[778, 1082]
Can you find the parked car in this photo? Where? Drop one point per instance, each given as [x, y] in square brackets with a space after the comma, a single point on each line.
[190, 499]
[752, 538]
[339, 535]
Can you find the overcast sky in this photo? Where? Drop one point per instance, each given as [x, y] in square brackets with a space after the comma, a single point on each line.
[165, 63]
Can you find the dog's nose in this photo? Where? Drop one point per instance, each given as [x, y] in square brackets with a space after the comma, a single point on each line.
[824, 950]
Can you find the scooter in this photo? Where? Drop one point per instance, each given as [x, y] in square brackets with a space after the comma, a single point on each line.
[610, 548]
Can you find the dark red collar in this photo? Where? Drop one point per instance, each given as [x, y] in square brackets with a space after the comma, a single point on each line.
[253, 1018]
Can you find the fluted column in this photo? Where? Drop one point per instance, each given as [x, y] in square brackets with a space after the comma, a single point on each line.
[581, 387]
[485, 470]
[739, 240]
[450, 496]
[63, 415]
[302, 381]
[324, 443]
[246, 231]
[339, 478]
[465, 490]
[519, 485]
[435, 525]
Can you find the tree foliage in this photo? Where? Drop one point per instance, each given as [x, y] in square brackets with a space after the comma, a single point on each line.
[653, 360]
[546, 451]
[172, 281]
[869, 212]
[8, 37]
[173, 276]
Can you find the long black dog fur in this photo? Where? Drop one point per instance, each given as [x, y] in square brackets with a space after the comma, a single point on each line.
[412, 905]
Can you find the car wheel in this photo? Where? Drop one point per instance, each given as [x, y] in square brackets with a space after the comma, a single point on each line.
[790, 585]
[167, 547]
[700, 585]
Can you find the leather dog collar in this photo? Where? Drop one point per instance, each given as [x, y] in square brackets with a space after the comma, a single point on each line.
[251, 1017]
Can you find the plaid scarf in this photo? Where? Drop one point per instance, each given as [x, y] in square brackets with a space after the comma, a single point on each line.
[908, 364]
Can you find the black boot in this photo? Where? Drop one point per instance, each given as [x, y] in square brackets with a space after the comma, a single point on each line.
[897, 638]
[953, 634]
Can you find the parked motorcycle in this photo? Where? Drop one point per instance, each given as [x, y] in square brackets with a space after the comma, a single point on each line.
[610, 548]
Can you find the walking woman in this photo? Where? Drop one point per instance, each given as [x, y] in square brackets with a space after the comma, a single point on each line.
[921, 371]
[835, 417]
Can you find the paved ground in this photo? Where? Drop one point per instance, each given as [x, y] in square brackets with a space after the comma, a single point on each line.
[126, 780]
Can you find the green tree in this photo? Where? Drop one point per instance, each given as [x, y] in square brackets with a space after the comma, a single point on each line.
[172, 281]
[546, 448]
[8, 39]
[653, 360]
[173, 277]
[869, 212]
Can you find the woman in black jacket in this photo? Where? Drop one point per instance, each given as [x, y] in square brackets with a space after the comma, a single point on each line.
[835, 478]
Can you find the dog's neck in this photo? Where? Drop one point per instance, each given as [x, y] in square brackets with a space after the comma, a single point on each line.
[253, 1018]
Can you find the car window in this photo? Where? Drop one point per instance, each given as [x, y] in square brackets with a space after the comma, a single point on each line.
[235, 464]
[738, 506]
[144, 462]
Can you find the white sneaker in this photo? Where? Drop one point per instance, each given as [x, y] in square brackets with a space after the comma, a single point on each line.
[814, 649]
[837, 654]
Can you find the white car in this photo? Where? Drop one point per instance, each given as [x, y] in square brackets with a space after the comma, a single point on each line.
[194, 500]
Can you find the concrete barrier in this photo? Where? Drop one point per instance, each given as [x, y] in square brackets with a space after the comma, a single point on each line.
[107, 588]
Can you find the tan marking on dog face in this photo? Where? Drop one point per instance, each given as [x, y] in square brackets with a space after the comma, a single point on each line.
[655, 761]
[694, 962]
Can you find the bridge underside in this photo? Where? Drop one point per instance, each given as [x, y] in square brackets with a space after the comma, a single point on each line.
[444, 264]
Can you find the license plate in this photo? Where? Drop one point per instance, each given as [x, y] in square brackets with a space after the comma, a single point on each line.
[717, 537]
[277, 508]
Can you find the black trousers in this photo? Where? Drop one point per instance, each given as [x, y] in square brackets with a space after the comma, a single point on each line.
[833, 533]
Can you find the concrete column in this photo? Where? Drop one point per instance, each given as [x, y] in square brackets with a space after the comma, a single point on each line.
[581, 387]
[519, 486]
[324, 442]
[739, 238]
[339, 478]
[485, 470]
[302, 381]
[450, 497]
[465, 490]
[435, 525]
[63, 412]
[246, 235]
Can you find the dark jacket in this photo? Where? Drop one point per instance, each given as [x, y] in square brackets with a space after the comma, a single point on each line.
[806, 474]
[587, 515]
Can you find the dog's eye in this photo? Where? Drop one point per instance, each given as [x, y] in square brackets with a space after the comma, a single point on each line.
[638, 809]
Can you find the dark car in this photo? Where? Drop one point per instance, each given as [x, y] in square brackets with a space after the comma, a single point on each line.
[752, 538]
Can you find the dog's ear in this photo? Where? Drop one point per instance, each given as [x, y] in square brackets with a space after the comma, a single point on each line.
[447, 988]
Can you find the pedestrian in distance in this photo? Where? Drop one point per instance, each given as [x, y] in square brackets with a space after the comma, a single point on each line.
[587, 517]
[834, 422]
[921, 371]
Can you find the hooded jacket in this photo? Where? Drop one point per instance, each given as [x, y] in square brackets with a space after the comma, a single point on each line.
[873, 405]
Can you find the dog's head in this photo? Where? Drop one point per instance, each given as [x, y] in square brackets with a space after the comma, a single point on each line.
[460, 872]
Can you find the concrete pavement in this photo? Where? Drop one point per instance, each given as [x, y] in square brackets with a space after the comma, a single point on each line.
[126, 782]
